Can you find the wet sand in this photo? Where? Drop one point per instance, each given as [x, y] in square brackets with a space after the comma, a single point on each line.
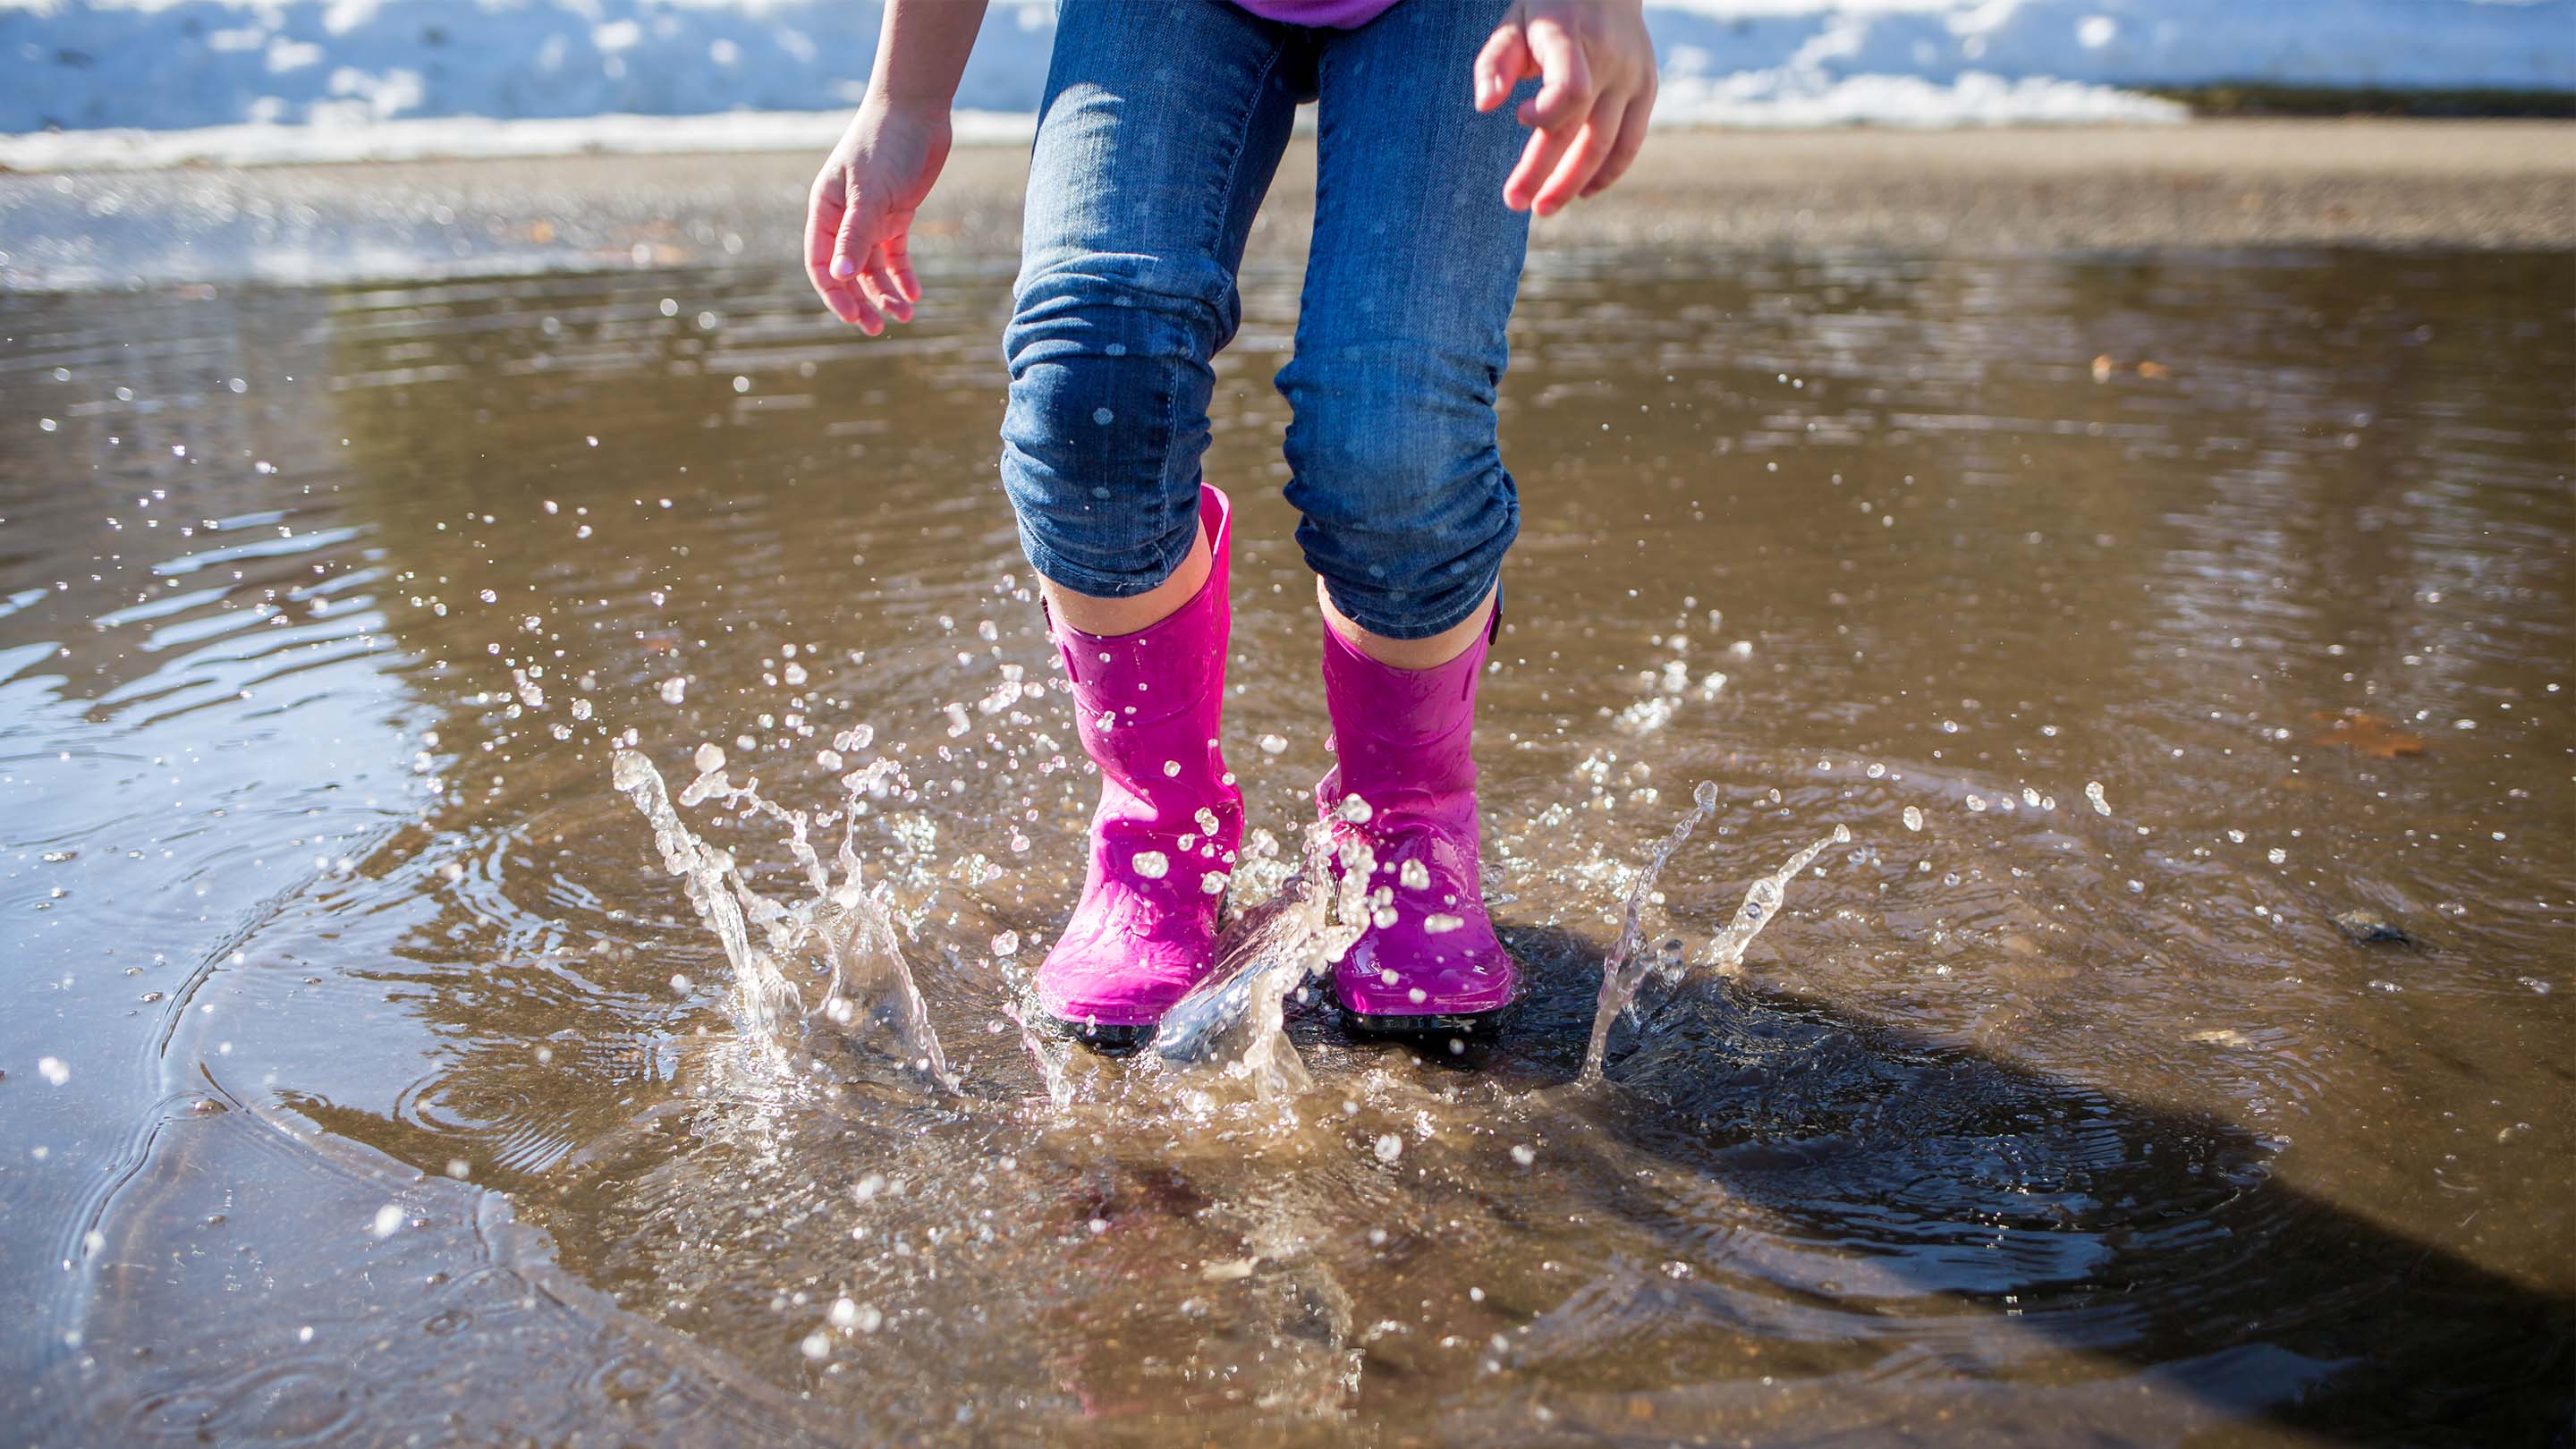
[2413, 184]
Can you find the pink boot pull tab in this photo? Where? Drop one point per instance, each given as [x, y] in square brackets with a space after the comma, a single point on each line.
[1404, 741]
[1163, 841]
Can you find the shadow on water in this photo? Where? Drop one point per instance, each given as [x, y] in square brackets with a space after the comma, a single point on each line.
[1893, 1170]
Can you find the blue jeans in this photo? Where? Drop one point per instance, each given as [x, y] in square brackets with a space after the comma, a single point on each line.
[1163, 123]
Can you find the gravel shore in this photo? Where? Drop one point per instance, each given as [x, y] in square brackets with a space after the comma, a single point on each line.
[2504, 185]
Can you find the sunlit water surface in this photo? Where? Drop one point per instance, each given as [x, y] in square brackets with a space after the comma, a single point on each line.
[369, 1079]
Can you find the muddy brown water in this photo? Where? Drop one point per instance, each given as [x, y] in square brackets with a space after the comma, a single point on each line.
[350, 1096]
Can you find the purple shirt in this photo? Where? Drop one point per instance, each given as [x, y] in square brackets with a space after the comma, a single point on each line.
[1338, 14]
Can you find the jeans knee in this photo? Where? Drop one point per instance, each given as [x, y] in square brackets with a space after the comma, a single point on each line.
[1408, 509]
[1107, 417]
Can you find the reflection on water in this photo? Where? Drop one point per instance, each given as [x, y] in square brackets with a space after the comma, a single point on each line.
[368, 1079]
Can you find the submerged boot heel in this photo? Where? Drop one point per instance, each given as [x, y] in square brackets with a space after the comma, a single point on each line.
[1163, 841]
[1430, 964]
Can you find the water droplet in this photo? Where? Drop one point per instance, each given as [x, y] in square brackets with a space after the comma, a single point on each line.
[1913, 818]
[1389, 1147]
[1213, 883]
[1440, 924]
[674, 689]
[709, 758]
[1152, 864]
[1272, 744]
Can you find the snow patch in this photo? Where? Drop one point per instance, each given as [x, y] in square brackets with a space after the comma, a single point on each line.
[152, 82]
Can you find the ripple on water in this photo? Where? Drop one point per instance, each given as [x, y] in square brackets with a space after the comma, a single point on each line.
[2029, 1122]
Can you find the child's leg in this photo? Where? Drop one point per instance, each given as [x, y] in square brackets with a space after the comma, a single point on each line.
[1407, 508]
[1160, 130]
[1400, 348]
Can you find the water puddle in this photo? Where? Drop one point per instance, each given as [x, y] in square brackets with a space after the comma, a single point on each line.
[2041, 881]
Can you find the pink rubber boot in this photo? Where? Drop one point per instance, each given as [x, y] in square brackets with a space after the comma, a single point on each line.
[1170, 819]
[1404, 741]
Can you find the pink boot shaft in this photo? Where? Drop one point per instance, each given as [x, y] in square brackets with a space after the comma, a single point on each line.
[1163, 841]
[1403, 740]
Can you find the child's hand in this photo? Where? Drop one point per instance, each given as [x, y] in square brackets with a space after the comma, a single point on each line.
[858, 221]
[1598, 72]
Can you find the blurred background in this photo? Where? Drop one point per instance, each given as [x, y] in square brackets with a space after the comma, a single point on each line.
[93, 82]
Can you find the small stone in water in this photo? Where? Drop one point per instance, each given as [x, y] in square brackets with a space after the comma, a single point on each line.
[1152, 864]
[2366, 927]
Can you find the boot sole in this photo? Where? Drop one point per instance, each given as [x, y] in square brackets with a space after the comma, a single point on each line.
[1108, 1039]
[1472, 1024]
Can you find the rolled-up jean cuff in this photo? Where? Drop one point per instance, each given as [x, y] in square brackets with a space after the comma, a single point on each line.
[1454, 608]
[1091, 583]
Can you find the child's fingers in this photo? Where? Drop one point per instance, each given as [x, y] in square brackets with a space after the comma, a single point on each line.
[898, 255]
[1500, 65]
[850, 247]
[822, 231]
[1565, 96]
[1538, 161]
[882, 288]
[1632, 139]
[1583, 160]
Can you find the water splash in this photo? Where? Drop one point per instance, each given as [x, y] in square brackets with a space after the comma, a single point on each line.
[1624, 971]
[1619, 978]
[1233, 1025]
[840, 942]
[1762, 901]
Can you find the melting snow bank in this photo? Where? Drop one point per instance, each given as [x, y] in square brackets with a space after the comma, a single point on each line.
[159, 82]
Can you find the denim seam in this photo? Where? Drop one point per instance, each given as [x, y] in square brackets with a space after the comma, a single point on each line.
[1215, 244]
